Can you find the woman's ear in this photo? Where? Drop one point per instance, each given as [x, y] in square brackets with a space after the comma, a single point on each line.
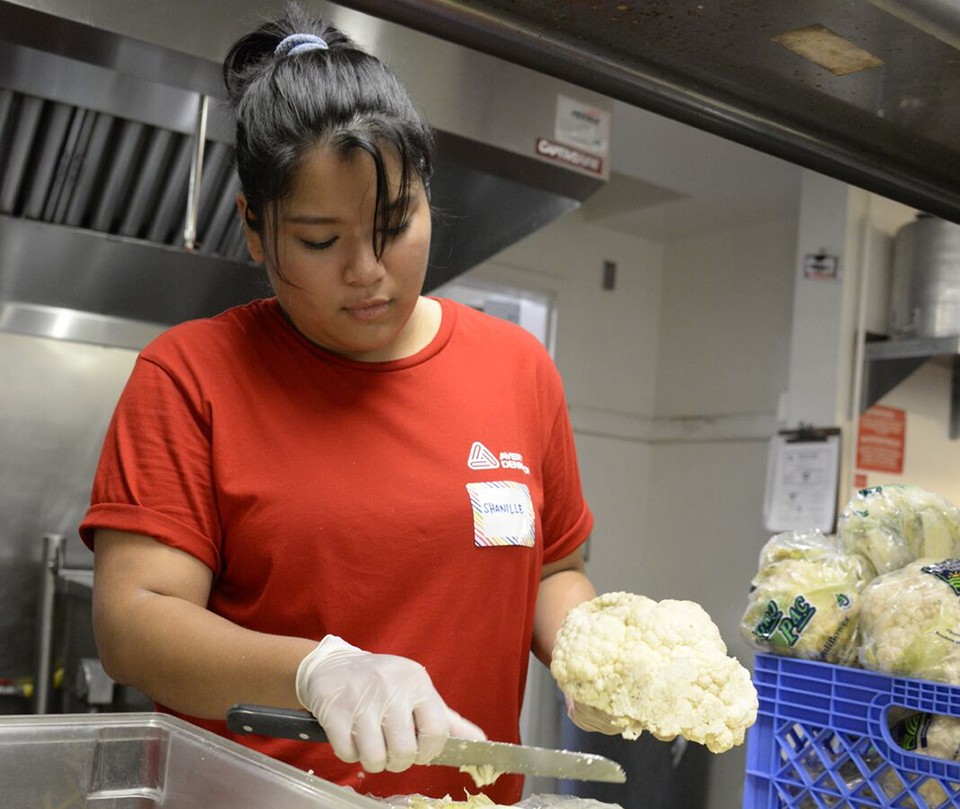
[254, 241]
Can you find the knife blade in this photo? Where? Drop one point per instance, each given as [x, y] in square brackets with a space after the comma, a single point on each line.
[501, 757]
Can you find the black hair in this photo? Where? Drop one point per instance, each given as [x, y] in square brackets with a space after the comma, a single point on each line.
[285, 105]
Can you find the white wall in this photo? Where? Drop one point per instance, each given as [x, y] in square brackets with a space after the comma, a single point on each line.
[726, 321]
[673, 381]
[726, 312]
[606, 345]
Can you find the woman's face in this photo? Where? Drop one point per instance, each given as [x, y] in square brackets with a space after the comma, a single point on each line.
[333, 287]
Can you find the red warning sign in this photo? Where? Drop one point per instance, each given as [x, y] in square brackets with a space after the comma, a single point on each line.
[881, 439]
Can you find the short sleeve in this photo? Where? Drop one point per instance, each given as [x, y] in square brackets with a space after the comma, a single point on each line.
[567, 519]
[154, 474]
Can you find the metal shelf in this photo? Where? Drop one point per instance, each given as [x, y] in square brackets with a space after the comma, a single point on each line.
[888, 362]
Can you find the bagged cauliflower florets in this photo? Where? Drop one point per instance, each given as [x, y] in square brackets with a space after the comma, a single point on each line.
[910, 622]
[655, 666]
[894, 525]
[805, 599]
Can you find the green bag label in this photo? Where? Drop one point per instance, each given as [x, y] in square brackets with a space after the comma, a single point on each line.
[947, 571]
[911, 733]
[789, 625]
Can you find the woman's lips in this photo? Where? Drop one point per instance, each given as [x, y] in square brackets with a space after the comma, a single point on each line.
[367, 311]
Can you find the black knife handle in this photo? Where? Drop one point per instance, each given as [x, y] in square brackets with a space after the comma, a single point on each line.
[281, 723]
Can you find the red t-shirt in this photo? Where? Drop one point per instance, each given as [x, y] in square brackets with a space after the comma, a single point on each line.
[406, 506]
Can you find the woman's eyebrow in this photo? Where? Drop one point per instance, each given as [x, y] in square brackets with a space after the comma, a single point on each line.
[406, 202]
[311, 219]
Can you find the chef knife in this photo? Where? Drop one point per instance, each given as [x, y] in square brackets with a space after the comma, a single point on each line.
[500, 757]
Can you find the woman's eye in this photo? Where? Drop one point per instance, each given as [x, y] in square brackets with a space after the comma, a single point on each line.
[318, 245]
[403, 227]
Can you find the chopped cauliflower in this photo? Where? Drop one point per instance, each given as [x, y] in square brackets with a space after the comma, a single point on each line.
[910, 622]
[655, 666]
[481, 801]
[478, 801]
[482, 774]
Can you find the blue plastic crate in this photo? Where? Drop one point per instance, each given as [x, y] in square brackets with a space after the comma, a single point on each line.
[822, 740]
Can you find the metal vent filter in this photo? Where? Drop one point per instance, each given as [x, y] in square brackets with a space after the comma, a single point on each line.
[68, 165]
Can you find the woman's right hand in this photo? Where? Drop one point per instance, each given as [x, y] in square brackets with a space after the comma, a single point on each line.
[381, 710]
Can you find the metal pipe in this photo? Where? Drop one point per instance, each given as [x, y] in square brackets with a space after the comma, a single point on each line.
[196, 173]
[51, 564]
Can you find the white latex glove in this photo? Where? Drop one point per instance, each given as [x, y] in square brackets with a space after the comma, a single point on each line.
[380, 710]
[593, 720]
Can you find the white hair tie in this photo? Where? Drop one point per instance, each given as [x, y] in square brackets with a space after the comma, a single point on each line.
[300, 43]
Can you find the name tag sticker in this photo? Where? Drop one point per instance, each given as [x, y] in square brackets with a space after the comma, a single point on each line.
[502, 513]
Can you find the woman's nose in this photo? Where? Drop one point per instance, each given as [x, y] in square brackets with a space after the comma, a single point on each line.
[363, 267]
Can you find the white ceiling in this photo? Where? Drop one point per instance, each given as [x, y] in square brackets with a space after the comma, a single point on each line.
[669, 180]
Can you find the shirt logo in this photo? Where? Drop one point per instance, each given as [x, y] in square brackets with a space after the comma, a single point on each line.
[482, 458]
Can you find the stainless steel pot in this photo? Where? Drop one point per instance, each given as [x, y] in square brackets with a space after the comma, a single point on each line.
[925, 285]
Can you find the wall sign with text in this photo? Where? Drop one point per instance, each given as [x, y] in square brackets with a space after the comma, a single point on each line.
[881, 440]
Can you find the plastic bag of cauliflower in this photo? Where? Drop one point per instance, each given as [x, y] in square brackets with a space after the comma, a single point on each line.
[910, 622]
[929, 735]
[805, 599]
[896, 524]
[659, 666]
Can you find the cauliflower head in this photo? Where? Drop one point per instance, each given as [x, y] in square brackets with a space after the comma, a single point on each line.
[896, 524]
[805, 599]
[910, 622]
[659, 666]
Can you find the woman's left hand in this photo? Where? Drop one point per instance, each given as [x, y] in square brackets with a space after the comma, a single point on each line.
[590, 719]
[594, 720]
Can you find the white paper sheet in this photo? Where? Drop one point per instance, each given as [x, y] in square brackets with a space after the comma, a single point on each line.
[801, 491]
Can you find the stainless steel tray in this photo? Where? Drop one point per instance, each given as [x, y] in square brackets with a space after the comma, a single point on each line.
[147, 760]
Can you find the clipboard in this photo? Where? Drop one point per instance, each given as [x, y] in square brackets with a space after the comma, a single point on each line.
[803, 476]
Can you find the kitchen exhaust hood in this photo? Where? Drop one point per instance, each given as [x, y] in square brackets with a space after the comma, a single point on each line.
[117, 181]
[764, 73]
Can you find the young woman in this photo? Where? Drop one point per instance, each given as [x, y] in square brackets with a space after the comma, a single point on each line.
[348, 497]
